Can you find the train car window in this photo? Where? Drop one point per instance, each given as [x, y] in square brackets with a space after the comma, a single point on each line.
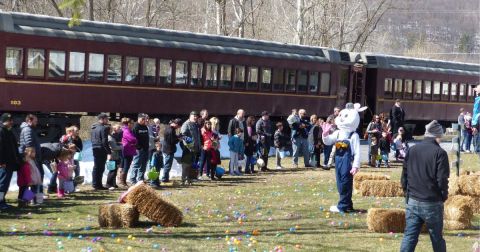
[290, 76]
[212, 75]
[181, 73]
[408, 89]
[266, 79]
[436, 90]
[239, 77]
[95, 66]
[252, 78]
[445, 91]
[14, 61]
[56, 64]
[149, 70]
[313, 82]
[471, 92]
[398, 88]
[165, 72]
[418, 90]
[325, 83]
[302, 81]
[427, 93]
[225, 76]
[277, 80]
[76, 66]
[36, 63]
[388, 89]
[114, 68]
[132, 64]
[453, 91]
[462, 91]
[196, 74]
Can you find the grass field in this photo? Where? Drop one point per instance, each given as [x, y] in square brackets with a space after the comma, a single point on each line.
[287, 210]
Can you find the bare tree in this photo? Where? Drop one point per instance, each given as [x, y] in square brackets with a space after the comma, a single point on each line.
[220, 10]
[55, 5]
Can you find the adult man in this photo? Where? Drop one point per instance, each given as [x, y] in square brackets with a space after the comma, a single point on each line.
[28, 138]
[425, 183]
[461, 127]
[238, 122]
[101, 150]
[9, 157]
[336, 112]
[476, 120]
[397, 116]
[139, 163]
[169, 147]
[265, 133]
[190, 147]
[300, 139]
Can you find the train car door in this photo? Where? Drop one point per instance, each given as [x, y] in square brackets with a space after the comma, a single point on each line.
[343, 91]
[357, 84]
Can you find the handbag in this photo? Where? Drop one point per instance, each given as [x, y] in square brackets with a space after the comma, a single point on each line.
[28, 195]
[111, 166]
[68, 186]
[77, 156]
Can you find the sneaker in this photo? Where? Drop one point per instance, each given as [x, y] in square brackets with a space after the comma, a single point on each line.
[334, 209]
[468, 151]
[237, 173]
[326, 167]
[279, 167]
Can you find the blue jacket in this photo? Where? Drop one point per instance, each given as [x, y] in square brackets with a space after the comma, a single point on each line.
[476, 112]
[236, 144]
[28, 138]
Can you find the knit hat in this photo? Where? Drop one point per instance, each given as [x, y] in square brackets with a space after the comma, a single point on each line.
[433, 129]
[5, 117]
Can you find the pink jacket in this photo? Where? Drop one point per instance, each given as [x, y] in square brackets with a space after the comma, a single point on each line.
[63, 171]
[129, 142]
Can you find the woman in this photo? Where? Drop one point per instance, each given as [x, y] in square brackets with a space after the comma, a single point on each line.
[327, 149]
[374, 129]
[115, 156]
[250, 145]
[129, 142]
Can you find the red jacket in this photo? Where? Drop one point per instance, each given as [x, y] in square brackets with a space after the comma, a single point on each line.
[207, 136]
[24, 175]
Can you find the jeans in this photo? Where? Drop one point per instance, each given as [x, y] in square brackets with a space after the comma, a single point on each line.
[416, 214]
[462, 137]
[5, 178]
[127, 162]
[99, 160]
[112, 175]
[327, 150]
[277, 156]
[233, 162]
[249, 167]
[300, 146]
[139, 166]
[52, 185]
[315, 156]
[167, 166]
[467, 140]
[201, 162]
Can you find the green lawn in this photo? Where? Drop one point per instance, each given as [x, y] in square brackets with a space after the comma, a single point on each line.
[287, 208]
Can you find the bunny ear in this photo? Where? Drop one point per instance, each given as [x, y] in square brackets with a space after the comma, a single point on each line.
[358, 107]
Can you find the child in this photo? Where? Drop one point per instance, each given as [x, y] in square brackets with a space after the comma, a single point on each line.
[280, 142]
[115, 156]
[28, 176]
[215, 159]
[401, 145]
[156, 163]
[250, 150]
[65, 168]
[373, 151]
[235, 144]
[384, 146]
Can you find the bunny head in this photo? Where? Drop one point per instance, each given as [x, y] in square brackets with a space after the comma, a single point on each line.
[349, 119]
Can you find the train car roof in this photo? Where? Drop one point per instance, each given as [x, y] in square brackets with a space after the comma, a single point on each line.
[40, 25]
[415, 64]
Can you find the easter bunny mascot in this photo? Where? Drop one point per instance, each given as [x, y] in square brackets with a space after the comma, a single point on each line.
[347, 154]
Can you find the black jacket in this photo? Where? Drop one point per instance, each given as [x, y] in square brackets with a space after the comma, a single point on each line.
[264, 131]
[50, 151]
[170, 140]
[141, 133]
[100, 137]
[9, 155]
[384, 145]
[280, 140]
[301, 132]
[425, 172]
[397, 116]
[235, 123]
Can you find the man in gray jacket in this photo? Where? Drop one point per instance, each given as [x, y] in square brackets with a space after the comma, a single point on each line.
[190, 148]
[29, 138]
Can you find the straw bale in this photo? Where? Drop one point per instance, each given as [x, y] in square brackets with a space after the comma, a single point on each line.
[469, 185]
[453, 187]
[362, 176]
[386, 220]
[455, 225]
[117, 215]
[458, 212]
[150, 204]
[381, 188]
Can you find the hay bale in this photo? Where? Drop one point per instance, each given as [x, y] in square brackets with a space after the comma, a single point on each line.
[475, 205]
[150, 204]
[455, 225]
[386, 220]
[381, 188]
[360, 177]
[117, 215]
[458, 212]
[469, 185]
[453, 187]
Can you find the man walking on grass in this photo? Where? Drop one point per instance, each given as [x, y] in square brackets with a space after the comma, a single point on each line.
[425, 183]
